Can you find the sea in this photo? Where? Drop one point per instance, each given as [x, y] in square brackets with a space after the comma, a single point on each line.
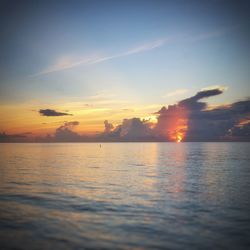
[190, 195]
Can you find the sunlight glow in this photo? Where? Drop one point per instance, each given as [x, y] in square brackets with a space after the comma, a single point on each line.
[179, 138]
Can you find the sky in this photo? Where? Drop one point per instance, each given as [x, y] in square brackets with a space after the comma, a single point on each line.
[72, 65]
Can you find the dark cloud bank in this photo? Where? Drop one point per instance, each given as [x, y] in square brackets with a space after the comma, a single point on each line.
[51, 112]
[190, 119]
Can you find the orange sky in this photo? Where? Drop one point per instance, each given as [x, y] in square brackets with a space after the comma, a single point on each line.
[26, 118]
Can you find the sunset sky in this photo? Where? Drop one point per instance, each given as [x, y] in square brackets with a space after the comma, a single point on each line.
[75, 64]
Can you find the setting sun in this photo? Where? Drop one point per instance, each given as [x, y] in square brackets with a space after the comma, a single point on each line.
[179, 138]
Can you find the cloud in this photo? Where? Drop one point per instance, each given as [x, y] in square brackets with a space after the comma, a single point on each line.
[193, 103]
[207, 93]
[219, 123]
[131, 129]
[187, 120]
[4, 137]
[174, 121]
[241, 131]
[51, 112]
[134, 128]
[176, 92]
[67, 62]
[108, 126]
[65, 134]
[71, 124]
[171, 122]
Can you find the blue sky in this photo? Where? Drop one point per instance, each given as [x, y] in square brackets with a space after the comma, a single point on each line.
[143, 52]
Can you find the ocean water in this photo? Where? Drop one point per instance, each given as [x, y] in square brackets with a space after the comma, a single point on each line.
[125, 196]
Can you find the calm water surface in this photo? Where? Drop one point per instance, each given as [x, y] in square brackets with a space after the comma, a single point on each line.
[125, 196]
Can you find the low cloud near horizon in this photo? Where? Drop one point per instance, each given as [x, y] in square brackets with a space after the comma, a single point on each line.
[187, 120]
[65, 132]
[190, 120]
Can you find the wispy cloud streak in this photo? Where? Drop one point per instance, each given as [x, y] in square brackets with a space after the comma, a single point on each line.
[176, 92]
[65, 63]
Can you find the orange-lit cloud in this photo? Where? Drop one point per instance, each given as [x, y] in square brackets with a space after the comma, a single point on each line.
[188, 120]
[172, 122]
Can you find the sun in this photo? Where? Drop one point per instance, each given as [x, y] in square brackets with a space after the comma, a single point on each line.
[179, 138]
